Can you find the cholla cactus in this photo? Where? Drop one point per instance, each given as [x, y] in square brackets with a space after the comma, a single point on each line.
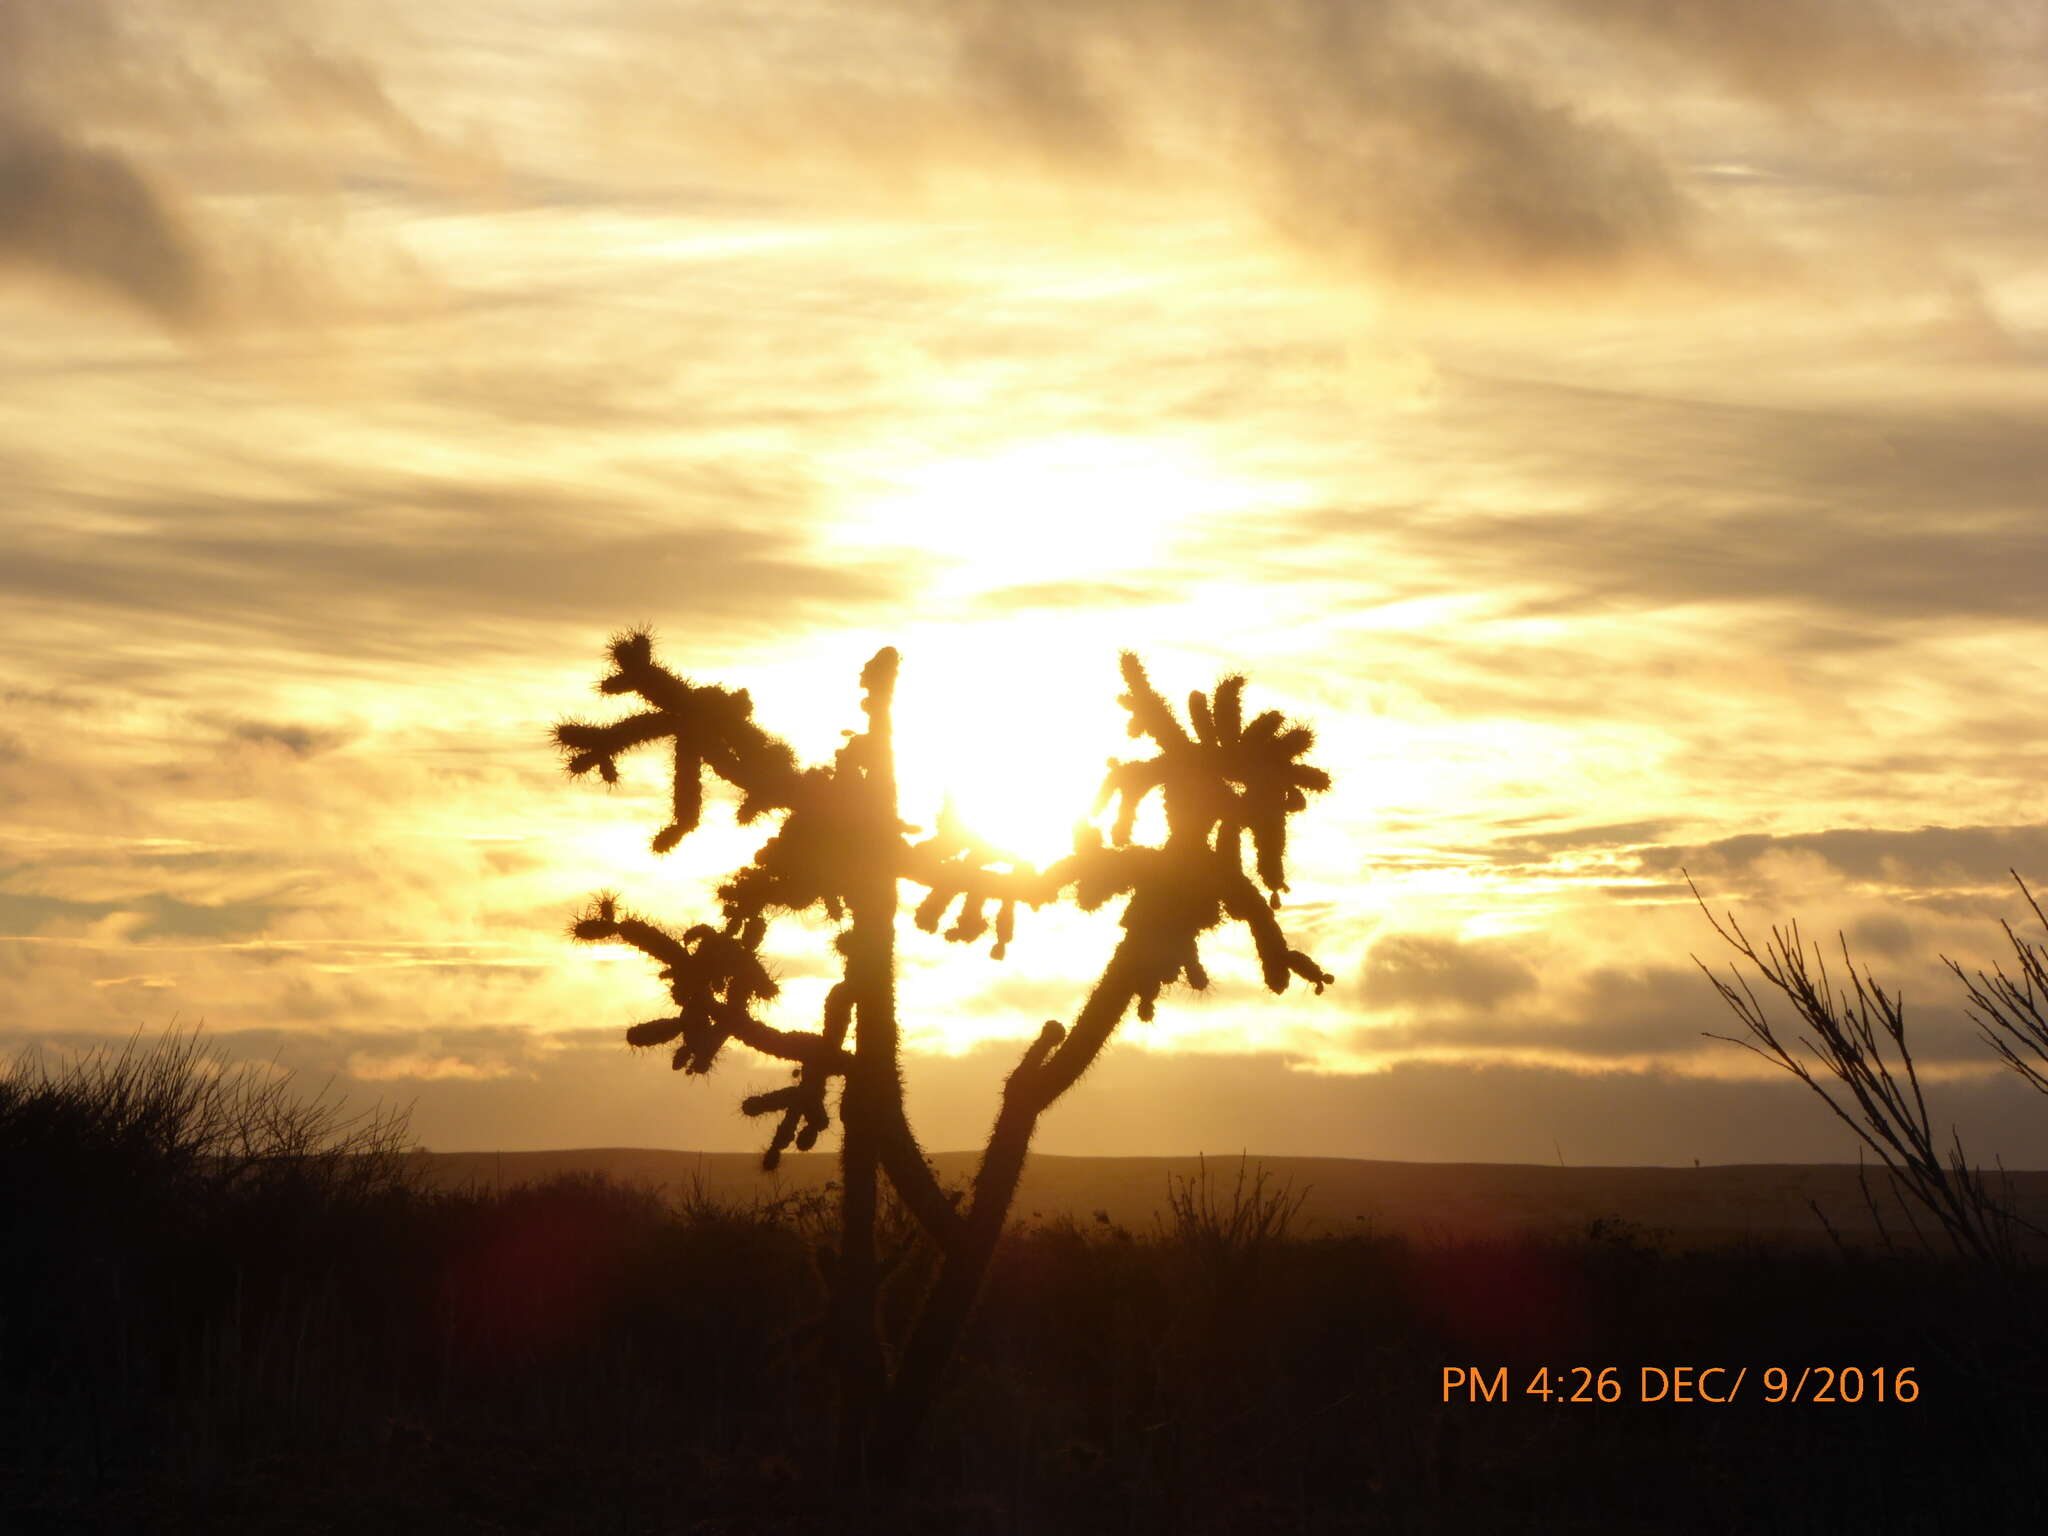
[840, 848]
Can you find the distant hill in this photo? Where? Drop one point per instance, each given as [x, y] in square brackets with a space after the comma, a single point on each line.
[1694, 1206]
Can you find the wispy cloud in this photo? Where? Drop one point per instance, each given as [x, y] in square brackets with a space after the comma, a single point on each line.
[86, 215]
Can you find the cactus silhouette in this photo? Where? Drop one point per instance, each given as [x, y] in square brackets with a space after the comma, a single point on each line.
[841, 848]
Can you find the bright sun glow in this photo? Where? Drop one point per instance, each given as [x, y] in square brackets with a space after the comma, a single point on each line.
[1015, 729]
[1054, 509]
[1015, 733]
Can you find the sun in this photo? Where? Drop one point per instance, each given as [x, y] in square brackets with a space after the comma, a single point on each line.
[1011, 724]
[1013, 717]
[1037, 552]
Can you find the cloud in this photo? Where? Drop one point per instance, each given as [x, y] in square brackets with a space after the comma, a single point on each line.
[1916, 859]
[1632, 1038]
[1507, 147]
[22, 914]
[1539, 848]
[506, 556]
[1795, 51]
[89, 216]
[1361, 132]
[152, 915]
[276, 105]
[1664, 1007]
[298, 741]
[1882, 933]
[1408, 969]
[1369, 137]
[1849, 521]
[1448, 997]
[1028, 66]
[426, 1067]
[320, 82]
[1433, 169]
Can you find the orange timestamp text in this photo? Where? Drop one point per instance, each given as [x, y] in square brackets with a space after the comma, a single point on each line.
[1718, 1384]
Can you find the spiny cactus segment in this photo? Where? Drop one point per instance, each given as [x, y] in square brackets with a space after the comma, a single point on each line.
[1218, 782]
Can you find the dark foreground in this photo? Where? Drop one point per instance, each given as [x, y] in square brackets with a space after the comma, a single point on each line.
[579, 1357]
[301, 1341]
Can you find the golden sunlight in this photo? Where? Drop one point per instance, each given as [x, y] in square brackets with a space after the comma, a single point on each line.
[1040, 510]
[1015, 732]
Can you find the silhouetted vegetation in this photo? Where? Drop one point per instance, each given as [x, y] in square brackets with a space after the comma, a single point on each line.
[190, 1348]
[1857, 1041]
[841, 848]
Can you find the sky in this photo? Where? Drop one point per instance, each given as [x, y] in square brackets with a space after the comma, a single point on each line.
[1619, 428]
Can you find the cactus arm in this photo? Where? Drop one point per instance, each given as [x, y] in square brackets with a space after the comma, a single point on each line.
[903, 1160]
[800, 1046]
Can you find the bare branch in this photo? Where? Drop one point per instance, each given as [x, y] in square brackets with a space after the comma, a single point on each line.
[1859, 1042]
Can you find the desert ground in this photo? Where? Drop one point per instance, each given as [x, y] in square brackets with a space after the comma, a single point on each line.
[1686, 1207]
